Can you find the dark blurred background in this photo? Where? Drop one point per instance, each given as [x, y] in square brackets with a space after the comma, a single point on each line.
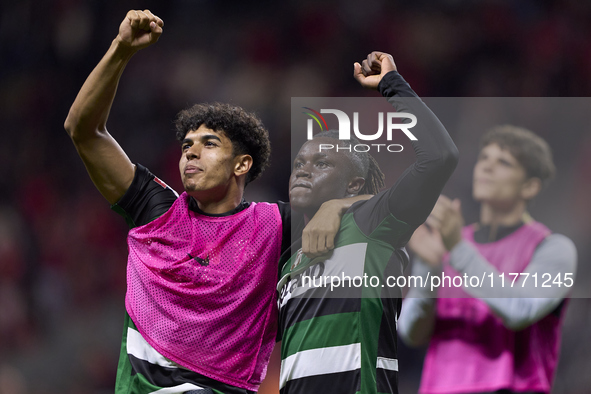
[63, 252]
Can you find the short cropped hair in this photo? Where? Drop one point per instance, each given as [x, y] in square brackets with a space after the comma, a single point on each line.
[364, 164]
[245, 130]
[529, 149]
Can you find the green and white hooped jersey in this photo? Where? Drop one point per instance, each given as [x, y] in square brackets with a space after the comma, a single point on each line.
[338, 316]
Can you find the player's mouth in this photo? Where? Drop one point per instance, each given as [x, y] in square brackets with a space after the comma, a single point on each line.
[192, 169]
[301, 184]
[483, 181]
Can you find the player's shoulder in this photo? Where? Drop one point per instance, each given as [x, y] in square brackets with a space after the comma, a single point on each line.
[279, 205]
[371, 203]
[143, 176]
[275, 209]
[147, 198]
[267, 204]
[560, 241]
[558, 248]
[283, 207]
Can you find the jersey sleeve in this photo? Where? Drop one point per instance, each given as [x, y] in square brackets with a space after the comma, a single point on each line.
[146, 199]
[526, 300]
[417, 318]
[412, 197]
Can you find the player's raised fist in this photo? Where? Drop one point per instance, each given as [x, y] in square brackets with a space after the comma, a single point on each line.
[140, 29]
[371, 71]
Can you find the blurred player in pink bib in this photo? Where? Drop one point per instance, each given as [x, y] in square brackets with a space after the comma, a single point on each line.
[494, 338]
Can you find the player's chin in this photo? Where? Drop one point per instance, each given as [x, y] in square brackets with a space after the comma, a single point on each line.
[494, 200]
[299, 202]
[191, 186]
[481, 193]
[302, 194]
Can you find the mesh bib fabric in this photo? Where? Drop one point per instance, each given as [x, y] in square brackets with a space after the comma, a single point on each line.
[201, 289]
[471, 350]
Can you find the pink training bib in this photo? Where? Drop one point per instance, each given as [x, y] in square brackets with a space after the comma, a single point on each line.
[472, 351]
[201, 289]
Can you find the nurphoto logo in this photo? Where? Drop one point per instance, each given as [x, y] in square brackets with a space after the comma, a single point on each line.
[345, 129]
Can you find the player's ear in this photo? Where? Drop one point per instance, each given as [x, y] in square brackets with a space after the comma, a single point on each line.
[242, 164]
[531, 188]
[355, 185]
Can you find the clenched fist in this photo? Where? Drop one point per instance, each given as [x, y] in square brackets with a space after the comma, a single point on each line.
[140, 29]
[371, 71]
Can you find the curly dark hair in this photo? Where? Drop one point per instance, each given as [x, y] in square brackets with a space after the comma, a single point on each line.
[245, 130]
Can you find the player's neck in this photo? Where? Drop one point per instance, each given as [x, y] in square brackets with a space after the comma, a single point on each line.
[499, 215]
[218, 201]
[309, 214]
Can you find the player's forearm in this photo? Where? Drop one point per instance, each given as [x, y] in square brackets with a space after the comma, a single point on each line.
[434, 147]
[319, 234]
[436, 155]
[340, 206]
[524, 301]
[416, 322]
[89, 112]
[417, 318]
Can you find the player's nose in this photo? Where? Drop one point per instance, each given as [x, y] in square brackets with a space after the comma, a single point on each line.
[193, 152]
[302, 171]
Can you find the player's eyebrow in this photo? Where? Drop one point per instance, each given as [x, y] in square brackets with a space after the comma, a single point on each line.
[210, 137]
[204, 137]
[317, 155]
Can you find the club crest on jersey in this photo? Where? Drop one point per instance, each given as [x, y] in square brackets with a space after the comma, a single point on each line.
[297, 260]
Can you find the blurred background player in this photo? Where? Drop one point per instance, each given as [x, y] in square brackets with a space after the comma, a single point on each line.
[202, 267]
[492, 338]
[345, 342]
